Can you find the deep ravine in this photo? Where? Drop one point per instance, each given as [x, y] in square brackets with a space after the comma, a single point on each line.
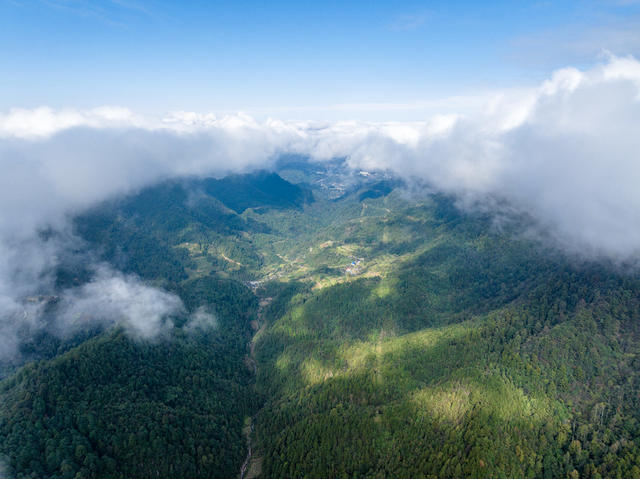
[252, 465]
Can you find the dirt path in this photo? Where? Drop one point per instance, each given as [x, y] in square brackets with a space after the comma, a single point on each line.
[233, 261]
[252, 465]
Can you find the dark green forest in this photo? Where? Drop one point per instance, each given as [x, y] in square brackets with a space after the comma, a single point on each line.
[361, 332]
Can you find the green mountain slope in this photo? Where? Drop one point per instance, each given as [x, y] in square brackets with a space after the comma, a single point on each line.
[399, 337]
[116, 407]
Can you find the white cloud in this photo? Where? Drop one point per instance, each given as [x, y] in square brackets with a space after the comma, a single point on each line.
[43, 122]
[566, 152]
[113, 298]
[201, 320]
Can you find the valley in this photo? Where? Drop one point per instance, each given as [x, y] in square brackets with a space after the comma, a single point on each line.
[362, 331]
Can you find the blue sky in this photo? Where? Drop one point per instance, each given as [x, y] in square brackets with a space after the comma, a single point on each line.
[293, 59]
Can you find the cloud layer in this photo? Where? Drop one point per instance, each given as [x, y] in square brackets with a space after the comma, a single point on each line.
[566, 153]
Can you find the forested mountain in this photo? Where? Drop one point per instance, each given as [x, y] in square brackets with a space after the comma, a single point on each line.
[359, 331]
